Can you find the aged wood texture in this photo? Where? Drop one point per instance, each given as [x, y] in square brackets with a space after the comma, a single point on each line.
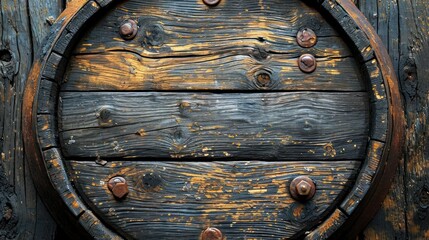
[243, 199]
[231, 69]
[189, 47]
[403, 26]
[354, 28]
[23, 25]
[265, 126]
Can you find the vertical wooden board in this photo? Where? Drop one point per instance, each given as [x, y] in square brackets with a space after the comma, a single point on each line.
[390, 221]
[243, 199]
[22, 28]
[41, 14]
[414, 73]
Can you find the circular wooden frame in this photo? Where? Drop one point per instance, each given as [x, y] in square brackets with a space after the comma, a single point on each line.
[351, 216]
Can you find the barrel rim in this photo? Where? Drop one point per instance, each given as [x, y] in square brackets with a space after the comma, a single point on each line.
[47, 161]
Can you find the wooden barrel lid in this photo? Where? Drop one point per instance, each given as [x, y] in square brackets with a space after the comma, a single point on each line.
[213, 119]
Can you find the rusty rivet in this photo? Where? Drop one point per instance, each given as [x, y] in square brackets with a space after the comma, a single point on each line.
[302, 188]
[118, 186]
[211, 234]
[263, 79]
[306, 38]
[307, 63]
[211, 2]
[128, 29]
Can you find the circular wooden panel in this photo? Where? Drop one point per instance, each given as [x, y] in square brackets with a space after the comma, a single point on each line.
[159, 119]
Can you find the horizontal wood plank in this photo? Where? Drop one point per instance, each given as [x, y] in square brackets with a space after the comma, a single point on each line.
[247, 200]
[265, 126]
[234, 69]
[189, 26]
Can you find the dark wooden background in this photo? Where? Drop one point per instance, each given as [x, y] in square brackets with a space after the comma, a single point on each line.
[403, 26]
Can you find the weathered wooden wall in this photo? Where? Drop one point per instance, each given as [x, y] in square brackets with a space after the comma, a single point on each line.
[402, 24]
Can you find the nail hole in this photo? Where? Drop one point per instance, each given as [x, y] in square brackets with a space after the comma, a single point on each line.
[261, 39]
[5, 55]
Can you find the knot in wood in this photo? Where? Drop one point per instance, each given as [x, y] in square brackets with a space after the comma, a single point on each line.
[263, 79]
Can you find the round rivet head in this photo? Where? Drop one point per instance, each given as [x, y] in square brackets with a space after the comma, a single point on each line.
[118, 186]
[211, 2]
[307, 63]
[211, 234]
[302, 188]
[306, 38]
[128, 29]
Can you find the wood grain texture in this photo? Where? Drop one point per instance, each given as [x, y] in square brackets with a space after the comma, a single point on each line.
[190, 27]
[175, 51]
[235, 69]
[243, 199]
[22, 28]
[265, 126]
[389, 223]
[328, 227]
[414, 74]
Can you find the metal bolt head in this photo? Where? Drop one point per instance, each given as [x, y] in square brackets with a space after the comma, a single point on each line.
[118, 186]
[211, 3]
[307, 63]
[302, 188]
[306, 38]
[128, 29]
[211, 234]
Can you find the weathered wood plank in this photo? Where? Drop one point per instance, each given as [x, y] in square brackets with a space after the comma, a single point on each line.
[304, 125]
[189, 26]
[234, 69]
[22, 28]
[243, 199]
[414, 75]
[212, 55]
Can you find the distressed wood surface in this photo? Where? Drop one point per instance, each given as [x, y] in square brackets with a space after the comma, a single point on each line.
[243, 199]
[402, 25]
[235, 69]
[189, 47]
[23, 26]
[265, 126]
